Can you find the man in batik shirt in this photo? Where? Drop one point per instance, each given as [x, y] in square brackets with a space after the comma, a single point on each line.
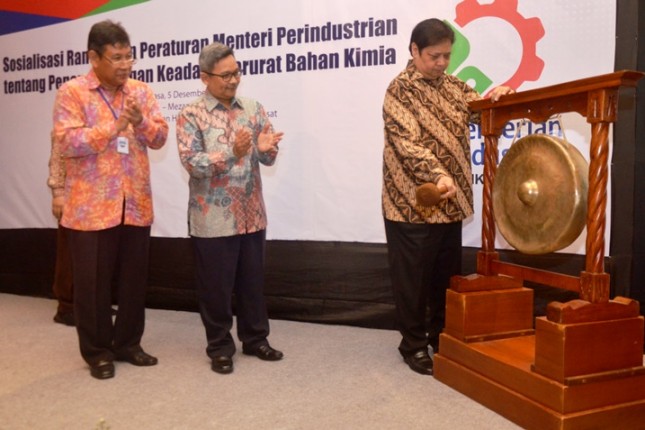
[105, 122]
[426, 117]
[222, 140]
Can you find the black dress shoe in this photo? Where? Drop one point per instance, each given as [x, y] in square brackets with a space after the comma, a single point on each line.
[420, 362]
[265, 352]
[222, 364]
[138, 358]
[102, 370]
[66, 318]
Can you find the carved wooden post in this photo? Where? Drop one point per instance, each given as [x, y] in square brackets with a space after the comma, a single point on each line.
[488, 253]
[601, 112]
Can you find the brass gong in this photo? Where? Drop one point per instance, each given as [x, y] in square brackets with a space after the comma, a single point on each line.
[540, 194]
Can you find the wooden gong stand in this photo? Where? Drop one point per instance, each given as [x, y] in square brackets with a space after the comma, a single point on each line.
[581, 365]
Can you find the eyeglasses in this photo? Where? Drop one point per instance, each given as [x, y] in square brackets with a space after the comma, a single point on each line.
[128, 60]
[226, 77]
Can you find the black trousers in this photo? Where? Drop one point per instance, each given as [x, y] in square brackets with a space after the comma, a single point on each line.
[63, 287]
[230, 267]
[118, 254]
[422, 259]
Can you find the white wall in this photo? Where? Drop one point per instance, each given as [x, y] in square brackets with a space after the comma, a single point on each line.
[327, 181]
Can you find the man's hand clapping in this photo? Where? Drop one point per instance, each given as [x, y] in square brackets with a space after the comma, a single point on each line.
[131, 114]
[268, 141]
[242, 143]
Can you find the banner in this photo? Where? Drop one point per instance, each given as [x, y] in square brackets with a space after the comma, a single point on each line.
[319, 68]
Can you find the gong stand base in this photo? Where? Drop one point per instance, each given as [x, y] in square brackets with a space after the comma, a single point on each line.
[488, 307]
[498, 375]
[581, 368]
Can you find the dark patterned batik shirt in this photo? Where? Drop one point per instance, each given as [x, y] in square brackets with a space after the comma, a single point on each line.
[426, 124]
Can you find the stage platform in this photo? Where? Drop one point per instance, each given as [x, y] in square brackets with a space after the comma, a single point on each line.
[499, 374]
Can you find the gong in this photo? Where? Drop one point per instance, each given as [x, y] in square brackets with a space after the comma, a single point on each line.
[540, 194]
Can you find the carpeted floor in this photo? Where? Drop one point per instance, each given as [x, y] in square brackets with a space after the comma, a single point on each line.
[332, 377]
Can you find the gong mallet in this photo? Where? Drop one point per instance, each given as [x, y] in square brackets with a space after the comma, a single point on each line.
[429, 194]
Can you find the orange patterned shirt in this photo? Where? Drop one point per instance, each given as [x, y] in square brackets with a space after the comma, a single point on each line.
[102, 186]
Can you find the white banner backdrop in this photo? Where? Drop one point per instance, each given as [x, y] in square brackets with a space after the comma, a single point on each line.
[321, 70]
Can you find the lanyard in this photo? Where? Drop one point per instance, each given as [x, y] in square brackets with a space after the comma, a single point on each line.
[108, 103]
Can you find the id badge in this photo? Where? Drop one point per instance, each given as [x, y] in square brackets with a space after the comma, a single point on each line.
[122, 145]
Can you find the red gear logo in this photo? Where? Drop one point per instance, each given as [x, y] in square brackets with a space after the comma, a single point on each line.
[529, 29]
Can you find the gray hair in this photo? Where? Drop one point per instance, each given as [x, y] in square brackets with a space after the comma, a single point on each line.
[212, 54]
